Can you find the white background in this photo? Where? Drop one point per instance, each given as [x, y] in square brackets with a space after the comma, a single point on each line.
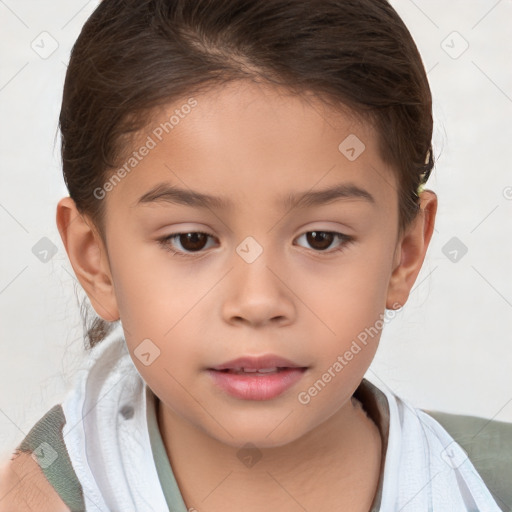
[449, 349]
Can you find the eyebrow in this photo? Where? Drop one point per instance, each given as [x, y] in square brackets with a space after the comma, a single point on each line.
[167, 193]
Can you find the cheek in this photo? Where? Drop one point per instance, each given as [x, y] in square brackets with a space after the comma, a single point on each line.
[350, 295]
[159, 302]
[350, 308]
[152, 292]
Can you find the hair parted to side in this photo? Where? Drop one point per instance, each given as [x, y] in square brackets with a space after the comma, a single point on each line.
[134, 56]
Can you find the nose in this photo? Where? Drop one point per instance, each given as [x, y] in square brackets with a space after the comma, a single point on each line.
[258, 293]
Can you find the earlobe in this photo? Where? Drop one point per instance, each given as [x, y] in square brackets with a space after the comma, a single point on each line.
[88, 257]
[411, 251]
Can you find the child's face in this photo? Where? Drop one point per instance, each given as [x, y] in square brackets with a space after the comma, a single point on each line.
[255, 147]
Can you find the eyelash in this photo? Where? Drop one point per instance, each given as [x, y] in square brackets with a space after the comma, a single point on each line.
[166, 242]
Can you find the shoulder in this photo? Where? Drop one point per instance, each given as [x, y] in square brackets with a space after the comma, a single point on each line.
[40, 475]
[486, 439]
[24, 487]
[488, 445]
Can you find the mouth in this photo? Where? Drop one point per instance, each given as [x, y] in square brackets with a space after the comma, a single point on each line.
[258, 372]
[256, 378]
[257, 364]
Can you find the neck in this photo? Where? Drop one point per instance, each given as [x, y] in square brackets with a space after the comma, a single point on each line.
[338, 460]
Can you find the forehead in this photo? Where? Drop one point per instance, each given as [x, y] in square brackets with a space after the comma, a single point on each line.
[245, 140]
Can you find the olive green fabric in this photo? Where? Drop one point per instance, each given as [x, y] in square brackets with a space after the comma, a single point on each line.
[46, 443]
[166, 476]
[488, 444]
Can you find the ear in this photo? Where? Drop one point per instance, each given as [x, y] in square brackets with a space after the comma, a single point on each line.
[88, 257]
[410, 251]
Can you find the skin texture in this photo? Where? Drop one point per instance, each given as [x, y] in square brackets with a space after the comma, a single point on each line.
[24, 488]
[254, 144]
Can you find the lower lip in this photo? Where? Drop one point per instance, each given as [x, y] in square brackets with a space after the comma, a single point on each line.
[257, 387]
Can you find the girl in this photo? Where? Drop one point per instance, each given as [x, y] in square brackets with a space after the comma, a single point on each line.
[246, 211]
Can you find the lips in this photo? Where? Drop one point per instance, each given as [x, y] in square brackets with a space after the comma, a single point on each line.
[257, 377]
[256, 364]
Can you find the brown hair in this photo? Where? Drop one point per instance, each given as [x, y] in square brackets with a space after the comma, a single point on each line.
[133, 56]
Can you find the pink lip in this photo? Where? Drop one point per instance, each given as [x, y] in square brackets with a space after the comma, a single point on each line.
[255, 386]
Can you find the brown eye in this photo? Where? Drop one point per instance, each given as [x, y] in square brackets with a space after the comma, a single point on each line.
[190, 242]
[193, 241]
[320, 240]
